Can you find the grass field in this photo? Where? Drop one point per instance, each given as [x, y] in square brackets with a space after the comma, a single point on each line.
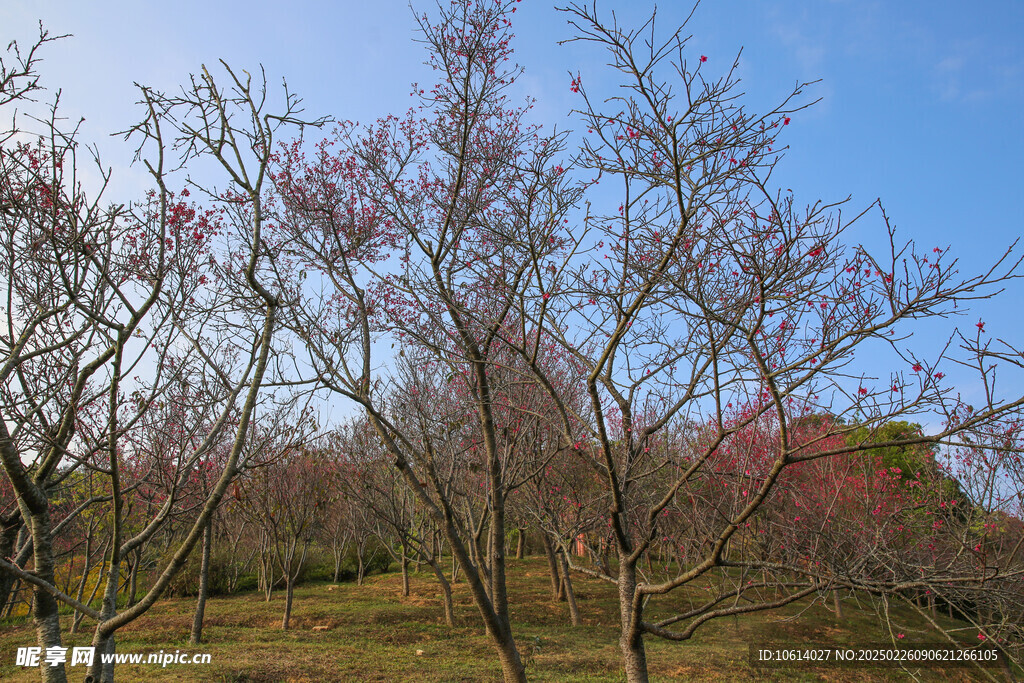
[375, 634]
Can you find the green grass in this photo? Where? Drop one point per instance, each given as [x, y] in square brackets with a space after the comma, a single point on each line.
[374, 634]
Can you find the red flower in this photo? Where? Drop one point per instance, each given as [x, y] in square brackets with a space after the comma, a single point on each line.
[703, 59]
[980, 326]
[785, 121]
[917, 367]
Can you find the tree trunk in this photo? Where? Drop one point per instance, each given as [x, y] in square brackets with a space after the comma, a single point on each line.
[482, 561]
[204, 586]
[289, 593]
[405, 572]
[267, 574]
[266, 566]
[521, 544]
[631, 642]
[133, 581]
[496, 564]
[103, 639]
[100, 672]
[8, 608]
[606, 558]
[44, 605]
[360, 570]
[446, 593]
[570, 594]
[556, 582]
[338, 556]
[511, 664]
[268, 588]
[837, 604]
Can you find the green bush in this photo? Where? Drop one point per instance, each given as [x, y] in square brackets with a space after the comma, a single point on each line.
[186, 582]
[376, 560]
[318, 566]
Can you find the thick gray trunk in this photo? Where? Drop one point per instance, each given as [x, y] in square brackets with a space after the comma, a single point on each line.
[631, 642]
[511, 665]
[100, 672]
[44, 605]
[499, 589]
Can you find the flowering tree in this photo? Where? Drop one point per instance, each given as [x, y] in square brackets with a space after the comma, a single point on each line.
[702, 290]
[287, 498]
[662, 372]
[982, 534]
[456, 233]
[452, 186]
[96, 292]
[59, 326]
[373, 502]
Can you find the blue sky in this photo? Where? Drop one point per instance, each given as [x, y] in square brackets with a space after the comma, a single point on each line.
[921, 101]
